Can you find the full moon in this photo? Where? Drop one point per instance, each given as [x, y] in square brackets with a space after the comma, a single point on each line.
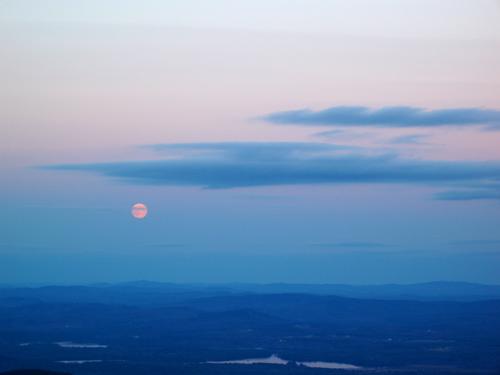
[139, 211]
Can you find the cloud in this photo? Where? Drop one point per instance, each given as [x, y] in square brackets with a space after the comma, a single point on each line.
[476, 242]
[469, 195]
[165, 245]
[411, 139]
[354, 246]
[245, 150]
[346, 134]
[396, 117]
[331, 133]
[350, 244]
[233, 165]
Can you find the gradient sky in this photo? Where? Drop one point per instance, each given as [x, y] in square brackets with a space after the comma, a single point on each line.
[351, 141]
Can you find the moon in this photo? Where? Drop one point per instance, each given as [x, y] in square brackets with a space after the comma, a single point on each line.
[139, 210]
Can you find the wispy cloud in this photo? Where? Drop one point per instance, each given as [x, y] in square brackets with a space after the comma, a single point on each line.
[165, 245]
[411, 139]
[332, 133]
[349, 244]
[469, 195]
[396, 117]
[245, 150]
[476, 243]
[233, 165]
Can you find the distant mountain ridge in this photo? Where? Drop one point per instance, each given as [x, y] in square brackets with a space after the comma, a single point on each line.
[148, 292]
[438, 290]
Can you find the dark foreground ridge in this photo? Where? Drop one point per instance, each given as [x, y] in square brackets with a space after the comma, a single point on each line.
[154, 328]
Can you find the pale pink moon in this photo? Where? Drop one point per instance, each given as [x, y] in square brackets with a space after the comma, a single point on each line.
[139, 211]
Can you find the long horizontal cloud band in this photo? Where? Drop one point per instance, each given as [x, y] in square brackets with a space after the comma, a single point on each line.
[389, 117]
[232, 165]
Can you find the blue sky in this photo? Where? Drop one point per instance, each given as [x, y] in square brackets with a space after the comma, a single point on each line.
[273, 141]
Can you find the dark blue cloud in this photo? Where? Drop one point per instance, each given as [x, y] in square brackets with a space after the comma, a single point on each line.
[232, 165]
[389, 117]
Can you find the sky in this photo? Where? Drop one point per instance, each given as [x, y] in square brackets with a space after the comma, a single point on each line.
[305, 141]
